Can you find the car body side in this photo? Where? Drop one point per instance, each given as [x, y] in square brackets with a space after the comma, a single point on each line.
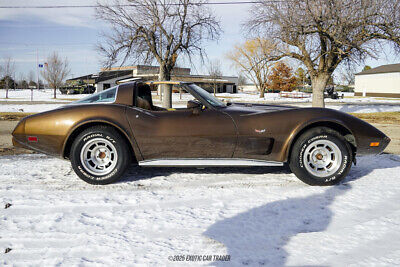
[264, 132]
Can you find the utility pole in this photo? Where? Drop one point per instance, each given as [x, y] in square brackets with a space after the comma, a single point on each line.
[37, 66]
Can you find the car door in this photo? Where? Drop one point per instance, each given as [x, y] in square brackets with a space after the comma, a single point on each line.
[182, 133]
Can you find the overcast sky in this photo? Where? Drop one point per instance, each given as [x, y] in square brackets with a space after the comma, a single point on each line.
[73, 32]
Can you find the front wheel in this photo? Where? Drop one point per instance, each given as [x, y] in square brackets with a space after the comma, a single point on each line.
[99, 155]
[321, 156]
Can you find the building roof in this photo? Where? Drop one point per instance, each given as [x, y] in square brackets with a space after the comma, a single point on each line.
[108, 75]
[149, 72]
[84, 77]
[103, 76]
[382, 69]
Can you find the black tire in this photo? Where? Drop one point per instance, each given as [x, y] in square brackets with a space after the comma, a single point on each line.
[306, 152]
[117, 155]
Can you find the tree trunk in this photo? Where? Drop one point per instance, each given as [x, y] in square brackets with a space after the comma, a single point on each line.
[55, 94]
[318, 87]
[215, 89]
[262, 92]
[6, 92]
[165, 75]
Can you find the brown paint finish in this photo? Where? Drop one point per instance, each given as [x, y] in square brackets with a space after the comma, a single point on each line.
[264, 132]
[182, 134]
[125, 94]
[54, 127]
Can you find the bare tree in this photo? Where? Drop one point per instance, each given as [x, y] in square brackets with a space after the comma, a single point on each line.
[31, 76]
[242, 80]
[156, 30]
[348, 75]
[7, 71]
[55, 71]
[215, 73]
[21, 81]
[322, 34]
[249, 57]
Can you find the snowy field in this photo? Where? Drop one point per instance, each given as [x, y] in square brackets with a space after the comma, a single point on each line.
[359, 108]
[258, 216]
[351, 104]
[47, 95]
[38, 95]
[28, 108]
[275, 97]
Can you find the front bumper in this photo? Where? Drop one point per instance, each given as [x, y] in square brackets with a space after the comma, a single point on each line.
[366, 149]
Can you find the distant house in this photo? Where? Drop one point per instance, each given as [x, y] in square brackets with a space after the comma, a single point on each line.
[107, 78]
[381, 81]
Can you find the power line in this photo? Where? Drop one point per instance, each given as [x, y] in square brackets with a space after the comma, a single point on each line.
[137, 5]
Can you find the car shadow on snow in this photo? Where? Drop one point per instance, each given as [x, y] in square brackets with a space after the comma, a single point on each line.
[259, 236]
[137, 173]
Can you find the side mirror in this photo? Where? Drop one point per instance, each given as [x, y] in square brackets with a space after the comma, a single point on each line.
[196, 106]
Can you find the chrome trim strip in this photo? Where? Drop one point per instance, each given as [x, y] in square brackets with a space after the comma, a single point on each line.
[211, 162]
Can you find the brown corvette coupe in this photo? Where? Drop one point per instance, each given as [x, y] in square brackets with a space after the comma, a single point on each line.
[106, 132]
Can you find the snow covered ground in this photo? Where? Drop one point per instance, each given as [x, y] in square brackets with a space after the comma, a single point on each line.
[28, 108]
[258, 216]
[351, 104]
[47, 95]
[365, 108]
[357, 108]
[38, 95]
[275, 97]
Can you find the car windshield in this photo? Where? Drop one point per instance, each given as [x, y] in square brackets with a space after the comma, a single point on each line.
[212, 100]
[106, 96]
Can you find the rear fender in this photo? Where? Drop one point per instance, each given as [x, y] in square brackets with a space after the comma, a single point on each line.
[79, 127]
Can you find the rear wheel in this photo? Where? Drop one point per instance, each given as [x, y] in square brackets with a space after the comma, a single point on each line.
[100, 155]
[321, 156]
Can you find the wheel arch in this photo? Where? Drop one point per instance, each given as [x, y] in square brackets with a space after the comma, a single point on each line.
[332, 124]
[85, 125]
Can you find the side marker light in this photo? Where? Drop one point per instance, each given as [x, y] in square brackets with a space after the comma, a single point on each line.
[32, 139]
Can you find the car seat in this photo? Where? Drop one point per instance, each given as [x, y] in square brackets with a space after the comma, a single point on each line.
[144, 99]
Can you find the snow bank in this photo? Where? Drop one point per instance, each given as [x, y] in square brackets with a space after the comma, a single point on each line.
[259, 216]
[359, 108]
[371, 108]
[275, 97]
[47, 95]
[38, 95]
[34, 108]
[357, 104]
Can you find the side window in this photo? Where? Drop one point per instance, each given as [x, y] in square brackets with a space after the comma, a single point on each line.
[150, 99]
[107, 96]
[180, 97]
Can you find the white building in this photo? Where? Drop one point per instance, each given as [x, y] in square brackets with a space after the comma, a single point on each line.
[381, 81]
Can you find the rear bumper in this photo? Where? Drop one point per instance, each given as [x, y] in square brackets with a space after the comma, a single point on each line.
[17, 143]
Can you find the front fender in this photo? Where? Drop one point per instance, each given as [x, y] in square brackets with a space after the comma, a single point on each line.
[334, 123]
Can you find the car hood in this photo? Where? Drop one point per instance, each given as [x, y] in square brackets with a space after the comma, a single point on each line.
[248, 108]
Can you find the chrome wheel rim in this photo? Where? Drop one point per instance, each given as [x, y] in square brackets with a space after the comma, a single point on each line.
[99, 156]
[322, 158]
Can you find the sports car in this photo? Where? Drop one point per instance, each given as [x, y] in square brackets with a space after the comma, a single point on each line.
[104, 133]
